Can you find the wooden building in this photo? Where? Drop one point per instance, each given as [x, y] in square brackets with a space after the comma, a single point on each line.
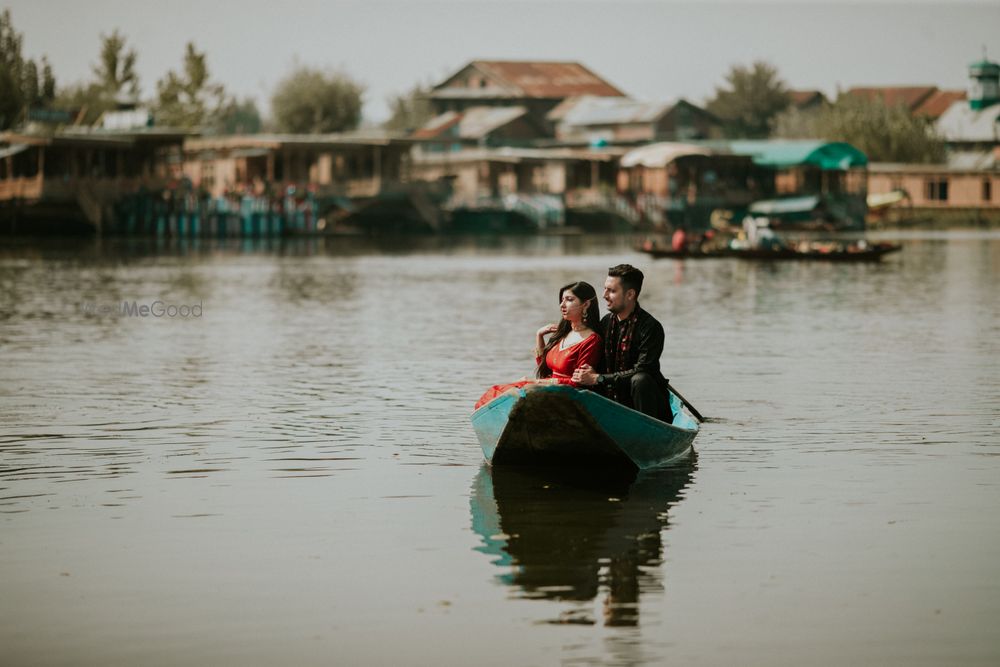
[539, 85]
[620, 120]
[500, 188]
[968, 187]
[680, 184]
[70, 180]
[536, 86]
[477, 127]
[347, 165]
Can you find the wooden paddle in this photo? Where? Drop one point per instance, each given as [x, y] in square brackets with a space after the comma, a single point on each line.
[694, 411]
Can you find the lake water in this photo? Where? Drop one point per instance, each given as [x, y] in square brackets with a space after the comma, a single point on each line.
[291, 477]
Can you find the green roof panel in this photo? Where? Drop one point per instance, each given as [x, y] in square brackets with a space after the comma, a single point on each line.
[783, 154]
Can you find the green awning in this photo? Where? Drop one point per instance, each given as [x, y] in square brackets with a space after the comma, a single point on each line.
[784, 154]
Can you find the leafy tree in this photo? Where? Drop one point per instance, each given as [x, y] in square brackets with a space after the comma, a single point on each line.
[115, 70]
[189, 99]
[30, 87]
[410, 110]
[114, 76]
[309, 100]
[87, 100]
[793, 123]
[750, 100]
[239, 118]
[884, 133]
[48, 81]
[20, 85]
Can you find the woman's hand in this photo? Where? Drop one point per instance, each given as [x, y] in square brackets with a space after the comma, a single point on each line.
[547, 329]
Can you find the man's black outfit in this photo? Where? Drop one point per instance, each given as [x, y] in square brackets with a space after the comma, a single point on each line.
[632, 376]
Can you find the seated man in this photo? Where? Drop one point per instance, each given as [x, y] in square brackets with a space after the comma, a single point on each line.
[633, 342]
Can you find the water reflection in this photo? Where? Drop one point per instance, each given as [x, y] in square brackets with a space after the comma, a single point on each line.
[578, 535]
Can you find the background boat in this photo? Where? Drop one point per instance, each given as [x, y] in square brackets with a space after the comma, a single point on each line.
[825, 253]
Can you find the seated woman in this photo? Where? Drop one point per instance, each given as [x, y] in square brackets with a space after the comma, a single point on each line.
[574, 342]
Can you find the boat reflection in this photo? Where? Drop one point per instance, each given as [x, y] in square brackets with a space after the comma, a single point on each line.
[573, 535]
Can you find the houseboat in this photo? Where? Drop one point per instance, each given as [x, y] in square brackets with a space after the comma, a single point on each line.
[70, 181]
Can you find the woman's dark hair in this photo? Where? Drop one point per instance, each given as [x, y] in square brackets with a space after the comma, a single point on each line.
[592, 318]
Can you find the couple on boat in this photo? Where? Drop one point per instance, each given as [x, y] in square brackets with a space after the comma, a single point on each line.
[619, 356]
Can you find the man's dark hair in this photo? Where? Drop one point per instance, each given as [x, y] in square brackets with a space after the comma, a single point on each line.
[631, 277]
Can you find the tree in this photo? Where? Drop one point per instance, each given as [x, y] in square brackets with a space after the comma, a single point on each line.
[884, 133]
[114, 76]
[21, 88]
[48, 81]
[115, 70]
[189, 99]
[309, 101]
[751, 99]
[410, 110]
[239, 118]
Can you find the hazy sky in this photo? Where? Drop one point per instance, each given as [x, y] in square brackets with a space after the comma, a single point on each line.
[651, 50]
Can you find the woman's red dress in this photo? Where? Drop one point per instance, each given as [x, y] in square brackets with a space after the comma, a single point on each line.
[561, 362]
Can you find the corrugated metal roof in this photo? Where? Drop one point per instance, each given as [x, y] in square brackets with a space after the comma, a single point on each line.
[363, 138]
[939, 102]
[909, 96]
[972, 160]
[477, 122]
[590, 110]
[804, 98]
[458, 93]
[515, 155]
[962, 123]
[437, 125]
[564, 107]
[661, 154]
[473, 123]
[541, 79]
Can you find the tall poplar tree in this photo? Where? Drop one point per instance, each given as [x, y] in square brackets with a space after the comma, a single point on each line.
[21, 85]
[188, 98]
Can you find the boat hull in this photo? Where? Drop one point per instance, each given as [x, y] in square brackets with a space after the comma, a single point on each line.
[562, 425]
[870, 254]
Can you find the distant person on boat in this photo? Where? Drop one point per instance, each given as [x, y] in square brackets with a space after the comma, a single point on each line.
[679, 241]
[760, 236]
[574, 342]
[633, 342]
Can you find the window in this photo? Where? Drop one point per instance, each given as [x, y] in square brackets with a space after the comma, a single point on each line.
[987, 190]
[936, 189]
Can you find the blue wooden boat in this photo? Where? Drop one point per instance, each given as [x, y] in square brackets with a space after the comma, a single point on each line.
[561, 425]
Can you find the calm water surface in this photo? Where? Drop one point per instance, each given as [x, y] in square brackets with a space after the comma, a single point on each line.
[292, 476]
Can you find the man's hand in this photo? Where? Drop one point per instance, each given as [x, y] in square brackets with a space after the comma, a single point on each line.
[585, 375]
